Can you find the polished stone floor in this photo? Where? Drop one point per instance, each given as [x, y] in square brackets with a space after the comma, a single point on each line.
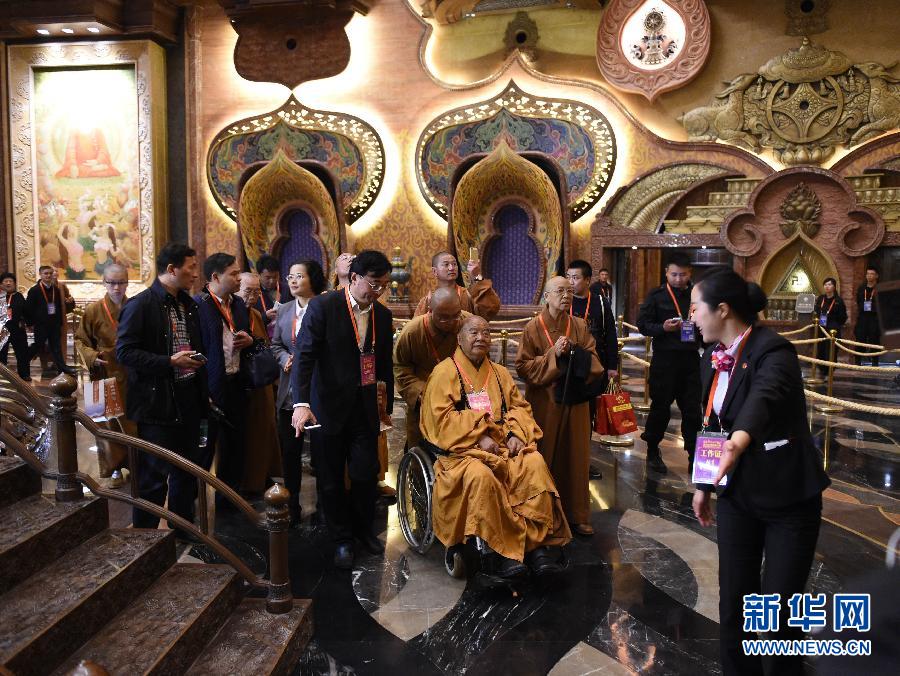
[640, 596]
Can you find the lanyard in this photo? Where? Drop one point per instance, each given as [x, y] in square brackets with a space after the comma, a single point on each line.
[822, 306]
[547, 333]
[587, 310]
[715, 382]
[224, 311]
[114, 322]
[52, 294]
[353, 321]
[469, 382]
[434, 352]
[866, 296]
[674, 300]
[262, 295]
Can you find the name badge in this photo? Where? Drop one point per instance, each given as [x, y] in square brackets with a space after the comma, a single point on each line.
[867, 306]
[51, 308]
[708, 457]
[367, 369]
[480, 401]
[823, 320]
[687, 332]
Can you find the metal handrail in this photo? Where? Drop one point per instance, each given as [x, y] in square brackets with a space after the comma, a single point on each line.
[275, 520]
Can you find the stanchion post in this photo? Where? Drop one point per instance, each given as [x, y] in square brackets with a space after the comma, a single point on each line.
[825, 407]
[645, 406]
[620, 333]
[278, 520]
[813, 380]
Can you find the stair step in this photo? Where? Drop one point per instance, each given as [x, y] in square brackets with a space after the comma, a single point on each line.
[164, 629]
[38, 530]
[17, 480]
[58, 608]
[254, 641]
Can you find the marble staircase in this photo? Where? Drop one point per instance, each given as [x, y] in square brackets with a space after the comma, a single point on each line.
[72, 589]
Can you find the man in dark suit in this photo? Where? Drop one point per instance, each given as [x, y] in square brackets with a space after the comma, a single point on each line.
[344, 349]
[269, 270]
[15, 324]
[158, 334]
[44, 309]
[225, 327]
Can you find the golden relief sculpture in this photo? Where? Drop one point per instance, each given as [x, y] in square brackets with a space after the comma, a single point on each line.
[801, 209]
[802, 105]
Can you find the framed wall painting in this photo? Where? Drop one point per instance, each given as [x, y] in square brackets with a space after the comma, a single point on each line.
[88, 156]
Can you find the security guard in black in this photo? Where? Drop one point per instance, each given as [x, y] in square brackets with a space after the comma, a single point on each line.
[675, 366]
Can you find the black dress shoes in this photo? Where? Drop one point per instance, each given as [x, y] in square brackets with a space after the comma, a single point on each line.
[510, 568]
[542, 561]
[343, 556]
[371, 544]
[594, 472]
[655, 462]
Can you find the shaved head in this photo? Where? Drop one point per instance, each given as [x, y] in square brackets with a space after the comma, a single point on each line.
[437, 257]
[558, 295]
[555, 283]
[446, 309]
[445, 298]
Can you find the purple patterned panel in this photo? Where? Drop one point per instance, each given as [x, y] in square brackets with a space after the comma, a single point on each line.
[512, 260]
[301, 245]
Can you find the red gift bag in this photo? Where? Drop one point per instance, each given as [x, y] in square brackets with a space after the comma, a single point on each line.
[601, 419]
[619, 411]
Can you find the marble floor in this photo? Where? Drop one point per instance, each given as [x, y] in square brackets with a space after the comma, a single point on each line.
[640, 596]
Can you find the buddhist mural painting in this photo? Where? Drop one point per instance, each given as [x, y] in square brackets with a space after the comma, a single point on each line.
[86, 170]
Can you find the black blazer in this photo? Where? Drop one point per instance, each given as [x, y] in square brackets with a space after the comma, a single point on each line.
[36, 306]
[211, 325]
[144, 346]
[16, 324]
[837, 317]
[765, 399]
[325, 373]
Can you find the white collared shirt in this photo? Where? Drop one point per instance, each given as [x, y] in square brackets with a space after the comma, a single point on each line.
[299, 313]
[725, 376]
[232, 356]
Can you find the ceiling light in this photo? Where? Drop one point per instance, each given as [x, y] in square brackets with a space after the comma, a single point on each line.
[93, 29]
[67, 31]
[634, 247]
[43, 31]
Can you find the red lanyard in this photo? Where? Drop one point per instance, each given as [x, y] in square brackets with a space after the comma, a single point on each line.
[437, 357]
[52, 293]
[469, 382]
[715, 382]
[674, 300]
[224, 311]
[587, 310]
[353, 320]
[114, 322]
[547, 333]
[866, 294]
[822, 306]
[262, 295]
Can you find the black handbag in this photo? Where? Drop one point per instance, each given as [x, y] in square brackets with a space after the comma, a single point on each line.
[259, 365]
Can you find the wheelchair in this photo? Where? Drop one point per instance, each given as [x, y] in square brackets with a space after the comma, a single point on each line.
[415, 484]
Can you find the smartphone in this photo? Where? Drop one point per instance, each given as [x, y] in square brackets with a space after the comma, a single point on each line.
[473, 254]
[198, 356]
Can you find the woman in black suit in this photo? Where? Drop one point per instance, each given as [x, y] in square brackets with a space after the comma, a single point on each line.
[831, 314]
[772, 503]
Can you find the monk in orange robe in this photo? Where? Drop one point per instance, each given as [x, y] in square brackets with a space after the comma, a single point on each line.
[423, 343]
[547, 345]
[479, 299]
[489, 482]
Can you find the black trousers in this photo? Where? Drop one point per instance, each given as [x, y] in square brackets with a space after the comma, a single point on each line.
[291, 450]
[48, 334]
[787, 538]
[823, 351]
[867, 331]
[157, 477]
[226, 435]
[355, 447]
[19, 342]
[674, 376]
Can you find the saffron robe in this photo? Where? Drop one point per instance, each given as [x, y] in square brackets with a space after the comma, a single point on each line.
[479, 299]
[509, 502]
[566, 445]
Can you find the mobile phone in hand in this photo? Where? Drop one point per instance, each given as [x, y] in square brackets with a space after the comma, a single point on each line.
[198, 356]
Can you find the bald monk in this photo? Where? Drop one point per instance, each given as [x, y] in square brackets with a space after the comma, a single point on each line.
[425, 341]
[479, 299]
[548, 342]
[490, 483]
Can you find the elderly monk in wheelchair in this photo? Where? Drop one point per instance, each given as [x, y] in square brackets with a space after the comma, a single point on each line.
[490, 481]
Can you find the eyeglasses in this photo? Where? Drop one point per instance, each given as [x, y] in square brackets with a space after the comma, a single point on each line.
[108, 283]
[564, 292]
[377, 288]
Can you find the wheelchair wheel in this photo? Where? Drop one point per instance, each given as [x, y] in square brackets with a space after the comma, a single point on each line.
[415, 479]
[454, 562]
